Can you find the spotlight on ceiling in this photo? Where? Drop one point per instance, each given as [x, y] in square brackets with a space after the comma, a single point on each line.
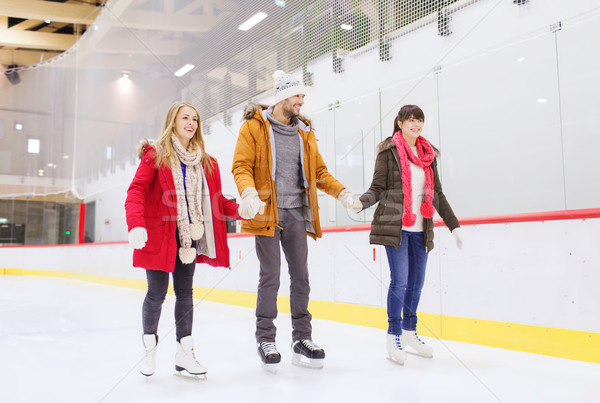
[12, 74]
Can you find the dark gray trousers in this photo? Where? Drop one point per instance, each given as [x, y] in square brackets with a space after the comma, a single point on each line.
[158, 283]
[293, 241]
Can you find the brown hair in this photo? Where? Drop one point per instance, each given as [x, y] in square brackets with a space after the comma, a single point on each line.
[407, 112]
[165, 152]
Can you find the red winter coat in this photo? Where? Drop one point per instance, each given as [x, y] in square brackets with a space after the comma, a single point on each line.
[152, 203]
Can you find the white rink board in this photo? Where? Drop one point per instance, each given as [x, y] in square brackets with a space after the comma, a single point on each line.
[535, 273]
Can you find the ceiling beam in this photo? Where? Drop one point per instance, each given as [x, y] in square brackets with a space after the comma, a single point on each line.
[23, 57]
[25, 25]
[36, 40]
[42, 10]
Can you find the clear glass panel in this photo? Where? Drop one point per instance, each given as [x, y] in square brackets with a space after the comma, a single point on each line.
[504, 109]
[356, 125]
[579, 85]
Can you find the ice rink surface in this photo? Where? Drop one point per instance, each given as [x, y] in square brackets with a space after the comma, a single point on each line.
[71, 341]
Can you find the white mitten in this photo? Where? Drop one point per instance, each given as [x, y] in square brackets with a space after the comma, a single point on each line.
[138, 237]
[346, 198]
[356, 206]
[458, 237]
[250, 204]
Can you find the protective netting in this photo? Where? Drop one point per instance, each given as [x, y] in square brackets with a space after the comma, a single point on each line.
[360, 60]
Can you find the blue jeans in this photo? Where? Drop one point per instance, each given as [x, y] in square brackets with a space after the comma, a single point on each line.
[407, 268]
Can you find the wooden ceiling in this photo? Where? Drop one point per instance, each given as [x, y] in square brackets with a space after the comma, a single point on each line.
[33, 31]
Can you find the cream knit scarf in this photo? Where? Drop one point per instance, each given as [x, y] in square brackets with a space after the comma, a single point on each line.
[190, 223]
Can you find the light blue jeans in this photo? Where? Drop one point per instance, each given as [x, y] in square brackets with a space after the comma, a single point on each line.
[407, 271]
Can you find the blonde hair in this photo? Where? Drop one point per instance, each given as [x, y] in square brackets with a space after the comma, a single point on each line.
[165, 152]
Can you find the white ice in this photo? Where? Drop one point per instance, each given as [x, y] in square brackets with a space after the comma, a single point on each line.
[71, 341]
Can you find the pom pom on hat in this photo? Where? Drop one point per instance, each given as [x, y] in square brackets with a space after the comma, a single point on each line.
[286, 85]
[277, 75]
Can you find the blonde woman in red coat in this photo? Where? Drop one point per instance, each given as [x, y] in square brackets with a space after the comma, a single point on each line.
[176, 218]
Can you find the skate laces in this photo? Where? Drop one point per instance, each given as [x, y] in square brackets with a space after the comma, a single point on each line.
[268, 348]
[310, 344]
[397, 341]
[417, 339]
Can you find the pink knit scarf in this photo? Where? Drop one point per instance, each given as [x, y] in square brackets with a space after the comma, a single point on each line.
[424, 159]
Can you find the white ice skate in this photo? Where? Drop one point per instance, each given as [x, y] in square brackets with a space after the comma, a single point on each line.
[148, 365]
[395, 348]
[307, 354]
[418, 346]
[269, 355]
[186, 364]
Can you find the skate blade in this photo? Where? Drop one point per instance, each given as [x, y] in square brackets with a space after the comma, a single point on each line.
[304, 362]
[418, 354]
[395, 361]
[185, 374]
[270, 368]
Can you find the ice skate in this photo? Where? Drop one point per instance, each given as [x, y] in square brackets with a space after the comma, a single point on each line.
[307, 354]
[416, 345]
[269, 355]
[395, 349]
[186, 364]
[148, 365]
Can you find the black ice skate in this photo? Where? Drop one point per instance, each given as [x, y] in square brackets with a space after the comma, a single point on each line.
[307, 354]
[269, 355]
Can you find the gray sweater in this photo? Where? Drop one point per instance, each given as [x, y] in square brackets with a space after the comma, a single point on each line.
[288, 167]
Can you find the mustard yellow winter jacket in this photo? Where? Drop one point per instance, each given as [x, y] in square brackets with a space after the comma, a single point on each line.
[253, 167]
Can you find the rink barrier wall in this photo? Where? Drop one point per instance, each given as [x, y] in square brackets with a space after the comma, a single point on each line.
[546, 340]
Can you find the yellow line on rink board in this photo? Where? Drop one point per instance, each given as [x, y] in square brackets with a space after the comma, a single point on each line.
[563, 343]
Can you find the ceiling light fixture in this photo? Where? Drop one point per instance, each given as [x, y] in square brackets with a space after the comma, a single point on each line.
[184, 70]
[33, 146]
[18, 126]
[252, 21]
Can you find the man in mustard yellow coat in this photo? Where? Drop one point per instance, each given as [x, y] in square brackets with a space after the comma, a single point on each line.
[278, 169]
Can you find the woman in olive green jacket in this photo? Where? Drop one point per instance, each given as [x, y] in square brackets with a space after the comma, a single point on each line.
[407, 186]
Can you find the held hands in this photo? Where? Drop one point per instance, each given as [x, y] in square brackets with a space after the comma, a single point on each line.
[250, 204]
[458, 237]
[138, 237]
[349, 201]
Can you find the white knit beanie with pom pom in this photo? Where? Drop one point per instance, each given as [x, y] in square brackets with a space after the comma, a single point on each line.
[286, 85]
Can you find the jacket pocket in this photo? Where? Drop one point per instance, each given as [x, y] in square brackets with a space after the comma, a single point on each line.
[156, 235]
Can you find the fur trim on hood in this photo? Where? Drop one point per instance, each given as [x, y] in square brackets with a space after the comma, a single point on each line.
[251, 109]
[141, 148]
[389, 143]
